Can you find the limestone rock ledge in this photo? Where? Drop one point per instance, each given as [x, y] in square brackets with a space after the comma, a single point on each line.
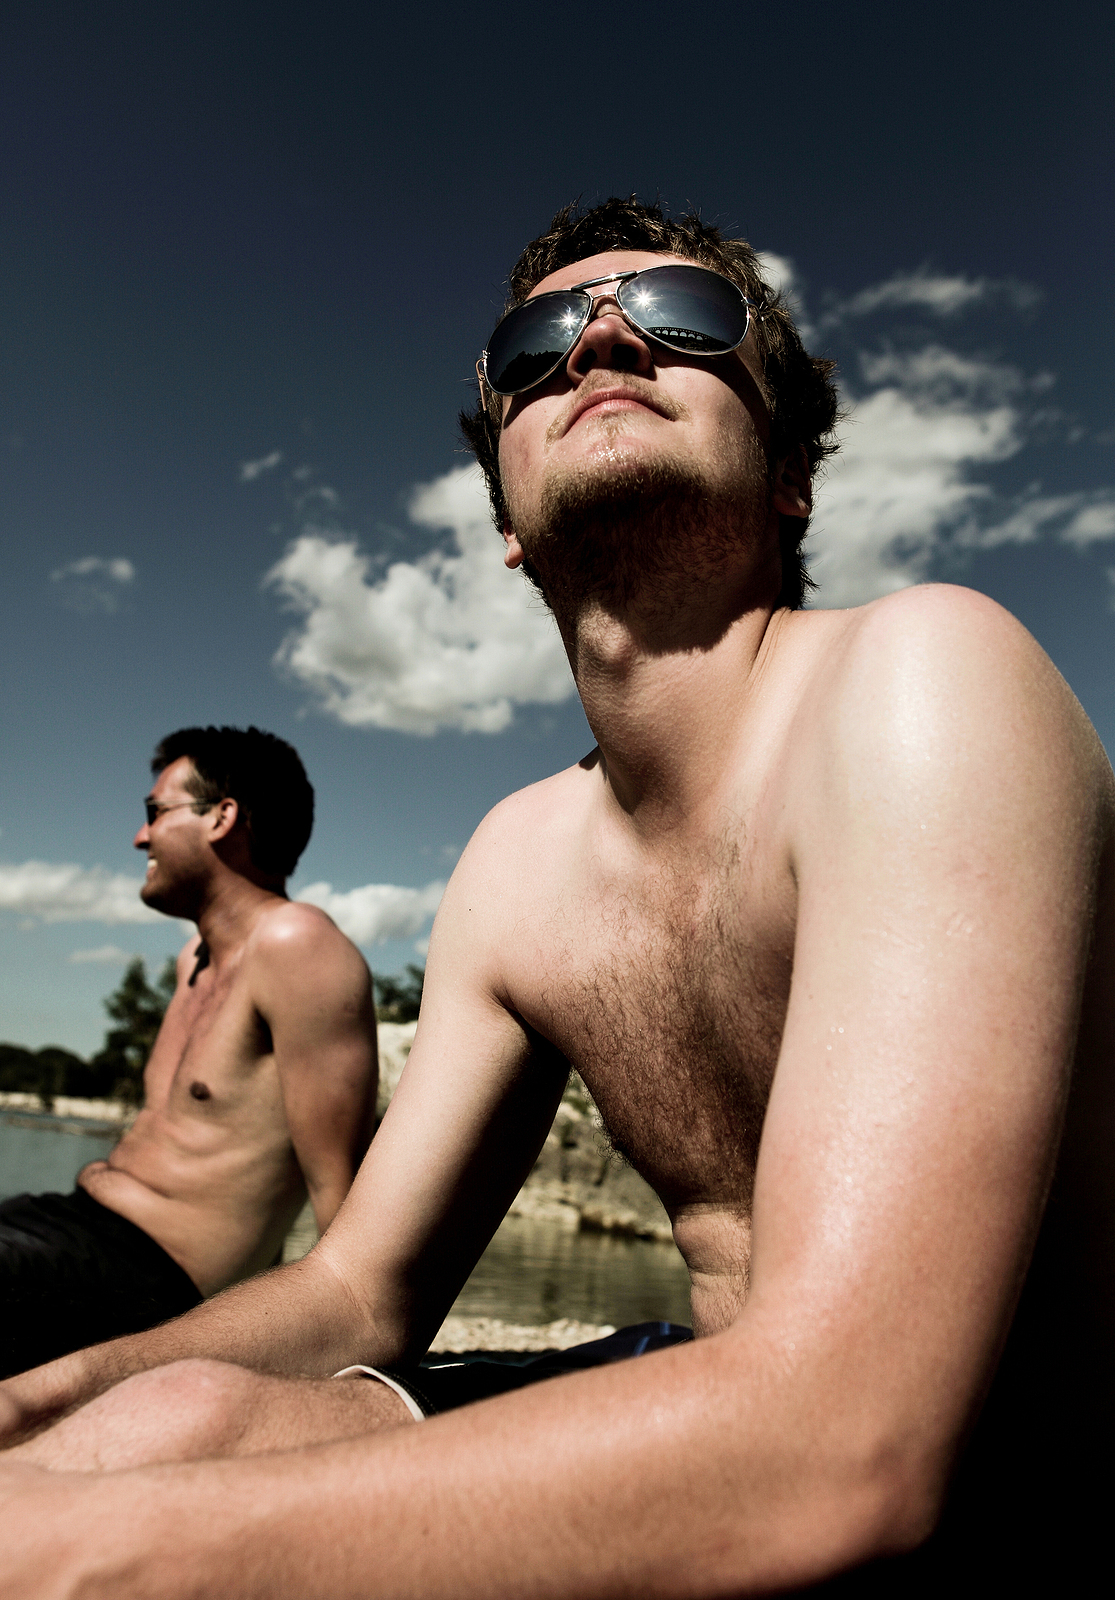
[489, 1333]
[578, 1179]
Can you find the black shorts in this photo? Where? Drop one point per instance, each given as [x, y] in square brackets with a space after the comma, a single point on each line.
[442, 1383]
[73, 1273]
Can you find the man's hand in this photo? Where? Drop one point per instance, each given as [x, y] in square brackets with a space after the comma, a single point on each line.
[12, 1424]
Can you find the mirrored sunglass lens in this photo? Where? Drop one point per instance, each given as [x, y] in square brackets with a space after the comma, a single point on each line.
[151, 811]
[531, 340]
[687, 308]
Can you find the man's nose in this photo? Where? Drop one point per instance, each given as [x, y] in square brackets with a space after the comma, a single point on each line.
[608, 341]
[142, 838]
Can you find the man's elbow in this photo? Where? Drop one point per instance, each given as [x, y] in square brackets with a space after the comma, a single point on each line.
[894, 1506]
[883, 1504]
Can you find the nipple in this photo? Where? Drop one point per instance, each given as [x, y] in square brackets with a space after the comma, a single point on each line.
[200, 1091]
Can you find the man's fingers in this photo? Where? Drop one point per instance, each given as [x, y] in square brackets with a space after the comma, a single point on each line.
[11, 1421]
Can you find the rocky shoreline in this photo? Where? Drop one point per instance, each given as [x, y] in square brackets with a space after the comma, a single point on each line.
[457, 1335]
[578, 1179]
[578, 1182]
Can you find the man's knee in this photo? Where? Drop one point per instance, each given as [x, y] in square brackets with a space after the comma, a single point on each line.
[210, 1398]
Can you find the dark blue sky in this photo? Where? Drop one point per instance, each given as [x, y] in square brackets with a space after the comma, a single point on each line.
[238, 231]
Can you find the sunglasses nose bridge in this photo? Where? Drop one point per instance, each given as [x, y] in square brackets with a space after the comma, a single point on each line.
[607, 332]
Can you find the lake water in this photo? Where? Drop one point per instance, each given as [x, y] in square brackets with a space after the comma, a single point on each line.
[532, 1273]
[41, 1154]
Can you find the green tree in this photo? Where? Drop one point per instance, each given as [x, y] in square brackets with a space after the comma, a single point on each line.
[47, 1072]
[398, 999]
[137, 1007]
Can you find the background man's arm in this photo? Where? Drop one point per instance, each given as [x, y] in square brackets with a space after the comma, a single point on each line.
[945, 846]
[313, 989]
[473, 1108]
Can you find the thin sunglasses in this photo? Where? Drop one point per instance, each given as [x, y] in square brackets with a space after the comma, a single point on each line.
[685, 308]
[153, 810]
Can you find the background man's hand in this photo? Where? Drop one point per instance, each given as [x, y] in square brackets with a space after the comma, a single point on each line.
[12, 1423]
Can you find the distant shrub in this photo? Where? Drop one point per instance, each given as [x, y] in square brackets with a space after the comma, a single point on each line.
[116, 1071]
[48, 1073]
[398, 999]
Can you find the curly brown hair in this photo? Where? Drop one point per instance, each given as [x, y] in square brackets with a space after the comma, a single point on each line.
[800, 388]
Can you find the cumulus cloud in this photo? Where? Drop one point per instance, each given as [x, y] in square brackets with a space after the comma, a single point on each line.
[107, 955]
[93, 584]
[250, 470]
[940, 294]
[779, 272]
[906, 486]
[451, 641]
[782, 276]
[378, 911]
[63, 892]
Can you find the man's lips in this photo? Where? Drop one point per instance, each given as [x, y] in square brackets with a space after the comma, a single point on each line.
[617, 397]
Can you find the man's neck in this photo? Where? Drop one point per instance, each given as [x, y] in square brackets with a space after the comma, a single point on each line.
[230, 911]
[661, 701]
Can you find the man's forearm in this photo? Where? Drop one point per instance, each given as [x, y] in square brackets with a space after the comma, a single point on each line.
[294, 1320]
[663, 1476]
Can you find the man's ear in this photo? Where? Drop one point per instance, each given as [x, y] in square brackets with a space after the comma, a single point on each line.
[513, 552]
[792, 484]
[222, 819]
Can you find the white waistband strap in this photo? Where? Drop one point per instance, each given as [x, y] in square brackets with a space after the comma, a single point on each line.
[408, 1400]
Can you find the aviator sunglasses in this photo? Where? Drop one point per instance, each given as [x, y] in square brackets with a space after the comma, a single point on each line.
[684, 308]
[152, 810]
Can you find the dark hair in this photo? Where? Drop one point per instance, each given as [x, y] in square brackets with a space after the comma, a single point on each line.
[800, 390]
[263, 774]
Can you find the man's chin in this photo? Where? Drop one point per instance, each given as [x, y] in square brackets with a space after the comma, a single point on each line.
[619, 526]
[151, 896]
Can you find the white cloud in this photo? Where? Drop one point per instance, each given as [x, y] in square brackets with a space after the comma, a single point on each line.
[1093, 520]
[903, 480]
[109, 955]
[116, 571]
[451, 641]
[378, 911]
[781, 274]
[1078, 519]
[906, 485]
[93, 584]
[250, 470]
[778, 271]
[941, 294]
[63, 892]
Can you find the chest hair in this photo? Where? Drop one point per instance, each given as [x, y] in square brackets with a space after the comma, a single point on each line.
[671, 1005]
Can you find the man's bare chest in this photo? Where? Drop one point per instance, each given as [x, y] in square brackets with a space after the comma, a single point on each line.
[668, 991]
[211, 1048]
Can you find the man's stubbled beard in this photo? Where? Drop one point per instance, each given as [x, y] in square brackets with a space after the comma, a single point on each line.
[645, 536]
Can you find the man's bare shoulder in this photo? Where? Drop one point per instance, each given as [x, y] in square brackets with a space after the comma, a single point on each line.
[941, 679]
[293, 943]
[533, 819]
[512, 865]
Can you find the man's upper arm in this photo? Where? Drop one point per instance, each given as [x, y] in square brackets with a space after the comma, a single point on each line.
[313, 989]
[945, 852]
[465, 1125]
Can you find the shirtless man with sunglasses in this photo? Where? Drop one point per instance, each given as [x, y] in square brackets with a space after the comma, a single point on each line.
[826, 923]
[260, 1086]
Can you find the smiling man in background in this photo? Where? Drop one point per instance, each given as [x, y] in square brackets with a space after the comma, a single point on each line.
[826, 924]
[260, 1086]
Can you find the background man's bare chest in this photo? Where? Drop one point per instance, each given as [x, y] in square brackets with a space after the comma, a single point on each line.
[211, 1043]
[668, 994]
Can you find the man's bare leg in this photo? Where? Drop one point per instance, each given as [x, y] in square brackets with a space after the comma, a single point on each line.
[194, 1410]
